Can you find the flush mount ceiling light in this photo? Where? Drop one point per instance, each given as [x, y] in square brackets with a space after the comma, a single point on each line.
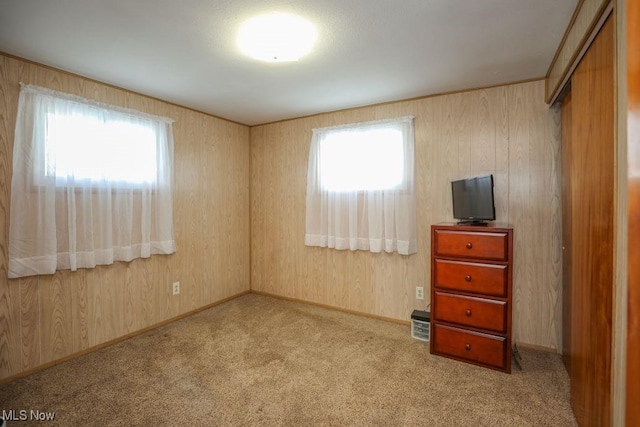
[277, 37]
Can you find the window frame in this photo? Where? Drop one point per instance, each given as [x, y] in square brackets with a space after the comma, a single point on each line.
[42, 170]
[371, 220]
[403, 187]
[40, 178]
[398, 185]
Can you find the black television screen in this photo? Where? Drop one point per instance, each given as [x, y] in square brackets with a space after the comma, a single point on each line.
[473, 200]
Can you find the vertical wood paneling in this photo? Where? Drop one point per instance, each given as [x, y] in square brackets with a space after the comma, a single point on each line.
[534, 204]
[49, 317]
[55, 327]
[566, 230]
[500, 107]
[11, 331]
[552, 190]
[520, 114]
[29, 318]
[508, 131]
[132, 304]
[80, 314]
[96, 305]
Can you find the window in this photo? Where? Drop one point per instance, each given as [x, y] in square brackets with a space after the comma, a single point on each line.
[362, 159]
[93, 150]
[360, 189]
[92, 184]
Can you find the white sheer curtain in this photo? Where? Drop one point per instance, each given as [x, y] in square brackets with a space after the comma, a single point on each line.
[91, 184]
[360, 187]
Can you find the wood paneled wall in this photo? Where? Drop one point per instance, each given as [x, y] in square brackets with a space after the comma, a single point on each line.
[46, 318]
[508, 131]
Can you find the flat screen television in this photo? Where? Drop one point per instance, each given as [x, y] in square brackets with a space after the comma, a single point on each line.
[473, 200]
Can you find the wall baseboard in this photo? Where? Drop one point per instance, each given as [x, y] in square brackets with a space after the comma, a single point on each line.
[332, 307]
[537, 347]
[117, 340]
[386, 319]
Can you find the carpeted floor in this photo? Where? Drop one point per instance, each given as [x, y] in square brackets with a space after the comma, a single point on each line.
[262, 361]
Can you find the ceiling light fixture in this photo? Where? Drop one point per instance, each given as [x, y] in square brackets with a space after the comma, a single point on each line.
[277, 37]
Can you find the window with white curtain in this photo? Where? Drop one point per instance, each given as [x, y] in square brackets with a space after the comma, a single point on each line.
[93, 151]
[360, 187]
[92, 184]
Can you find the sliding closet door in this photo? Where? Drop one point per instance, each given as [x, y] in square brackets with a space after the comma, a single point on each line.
[591, 225]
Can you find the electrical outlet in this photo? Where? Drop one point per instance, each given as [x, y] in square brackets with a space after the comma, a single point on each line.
[419, 292]
[176, 288]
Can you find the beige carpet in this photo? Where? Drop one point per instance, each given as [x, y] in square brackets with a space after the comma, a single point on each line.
[262, 361]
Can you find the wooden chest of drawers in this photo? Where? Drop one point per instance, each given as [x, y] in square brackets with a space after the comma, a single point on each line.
[471, 285]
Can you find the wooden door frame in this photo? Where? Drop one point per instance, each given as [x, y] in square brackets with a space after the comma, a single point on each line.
[633, 231]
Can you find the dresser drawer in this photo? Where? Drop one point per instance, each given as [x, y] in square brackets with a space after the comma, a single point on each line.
[481, 245]
[478, 313]
[472, 346]
[488, 279]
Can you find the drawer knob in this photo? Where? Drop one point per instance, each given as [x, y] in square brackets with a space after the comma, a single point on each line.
[468, 312]
[467, 278]
[469, 245]
[467, 347]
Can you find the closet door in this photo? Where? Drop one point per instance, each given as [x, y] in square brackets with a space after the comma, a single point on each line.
[591, 194]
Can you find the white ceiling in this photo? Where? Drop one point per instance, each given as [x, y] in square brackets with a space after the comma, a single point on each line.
[368, 51]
